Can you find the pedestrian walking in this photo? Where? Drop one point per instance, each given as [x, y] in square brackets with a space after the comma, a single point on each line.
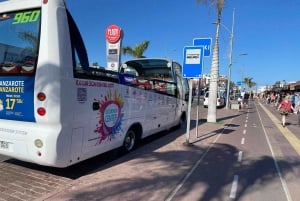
[285, 108]
[297, 110]
[268, 100]
[246, 99]
[240, 102]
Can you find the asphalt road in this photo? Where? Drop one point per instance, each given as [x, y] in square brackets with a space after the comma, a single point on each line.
[252, 160]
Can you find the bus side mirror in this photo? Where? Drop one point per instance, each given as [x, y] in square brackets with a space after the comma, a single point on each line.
[96, 106]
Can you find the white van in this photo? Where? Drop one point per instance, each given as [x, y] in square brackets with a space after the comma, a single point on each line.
[221, 101]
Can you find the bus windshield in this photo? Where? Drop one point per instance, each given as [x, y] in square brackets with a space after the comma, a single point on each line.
[19, 33]
[150, 68]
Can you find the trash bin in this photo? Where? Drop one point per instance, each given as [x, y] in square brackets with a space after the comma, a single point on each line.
[234, 105]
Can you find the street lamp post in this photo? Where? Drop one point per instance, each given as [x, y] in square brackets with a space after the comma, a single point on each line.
[230, 63]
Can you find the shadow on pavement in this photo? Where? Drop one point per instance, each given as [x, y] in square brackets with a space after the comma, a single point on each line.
[220, 160]
[103, 160]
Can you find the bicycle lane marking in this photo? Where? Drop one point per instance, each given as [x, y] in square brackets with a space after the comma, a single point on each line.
[282, 180]
[195, 166]
[290, 137]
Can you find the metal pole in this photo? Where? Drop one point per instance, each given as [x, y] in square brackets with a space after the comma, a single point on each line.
[230, 62]
[198, 104]
[187, 136]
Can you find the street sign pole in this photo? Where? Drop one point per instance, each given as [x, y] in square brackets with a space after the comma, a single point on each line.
[192, 67]
[206, 43]
[187, 136]
[198, 103]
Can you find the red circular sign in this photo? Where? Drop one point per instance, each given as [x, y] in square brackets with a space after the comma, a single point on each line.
[113, 33]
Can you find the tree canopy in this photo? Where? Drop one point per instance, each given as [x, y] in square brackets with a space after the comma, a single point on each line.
[137, 51]
[248, 82]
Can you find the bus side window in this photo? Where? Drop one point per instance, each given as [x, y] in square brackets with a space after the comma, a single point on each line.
[182, 84]
[165, 87]
[171, 89]
[79, 54]
[143, 83]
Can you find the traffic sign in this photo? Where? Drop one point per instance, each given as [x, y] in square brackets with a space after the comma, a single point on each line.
[113, 33]
[192, 61]
[239, 83]
[206, 43]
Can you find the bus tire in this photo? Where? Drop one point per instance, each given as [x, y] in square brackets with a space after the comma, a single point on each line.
[182, 122]
[130, 140]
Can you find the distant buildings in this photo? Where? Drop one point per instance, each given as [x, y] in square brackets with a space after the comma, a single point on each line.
[278, 87]
[283, 87]
[222, 85]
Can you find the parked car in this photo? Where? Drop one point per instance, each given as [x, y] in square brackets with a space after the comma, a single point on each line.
[235, 97]
[221, 99]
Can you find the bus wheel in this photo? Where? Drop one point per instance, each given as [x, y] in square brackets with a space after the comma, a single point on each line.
[182, 122]
[129, 141]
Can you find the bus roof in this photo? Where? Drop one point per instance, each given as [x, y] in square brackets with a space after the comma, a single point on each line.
[13, 5]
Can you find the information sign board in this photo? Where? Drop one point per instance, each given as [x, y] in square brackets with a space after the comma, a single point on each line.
[192, 61]
[206, 43]
[113, 35]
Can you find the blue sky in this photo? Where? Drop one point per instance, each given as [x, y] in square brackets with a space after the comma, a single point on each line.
[267, 31]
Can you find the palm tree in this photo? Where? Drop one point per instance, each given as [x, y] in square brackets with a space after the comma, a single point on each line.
[137, 51]
[214, 72]
[32, 39]
[248, 82]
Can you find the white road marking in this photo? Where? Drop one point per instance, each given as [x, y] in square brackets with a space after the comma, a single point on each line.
[240, 156]
[234, 187]
[243, 141]
[244, 131]
[187, 176]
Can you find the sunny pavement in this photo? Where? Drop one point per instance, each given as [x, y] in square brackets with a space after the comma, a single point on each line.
[153, 170]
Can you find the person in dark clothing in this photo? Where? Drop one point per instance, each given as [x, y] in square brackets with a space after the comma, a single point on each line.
[246, 99]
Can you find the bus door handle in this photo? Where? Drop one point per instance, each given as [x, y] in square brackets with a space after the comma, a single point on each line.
[96, 106]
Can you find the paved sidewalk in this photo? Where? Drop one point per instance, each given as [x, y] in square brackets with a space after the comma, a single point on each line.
[152, 171]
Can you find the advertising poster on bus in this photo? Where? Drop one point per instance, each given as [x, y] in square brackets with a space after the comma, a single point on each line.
[16, 98]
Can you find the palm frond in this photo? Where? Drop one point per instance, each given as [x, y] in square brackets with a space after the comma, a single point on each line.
[137, 51]
[30, 37]
[218, 3]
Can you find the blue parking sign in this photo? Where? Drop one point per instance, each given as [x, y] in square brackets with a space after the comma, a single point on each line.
[206, 43]
[192, 61]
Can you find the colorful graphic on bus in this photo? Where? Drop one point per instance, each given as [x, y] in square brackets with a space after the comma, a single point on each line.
[110, 116]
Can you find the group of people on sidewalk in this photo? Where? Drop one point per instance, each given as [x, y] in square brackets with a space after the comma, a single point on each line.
[285, 107]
